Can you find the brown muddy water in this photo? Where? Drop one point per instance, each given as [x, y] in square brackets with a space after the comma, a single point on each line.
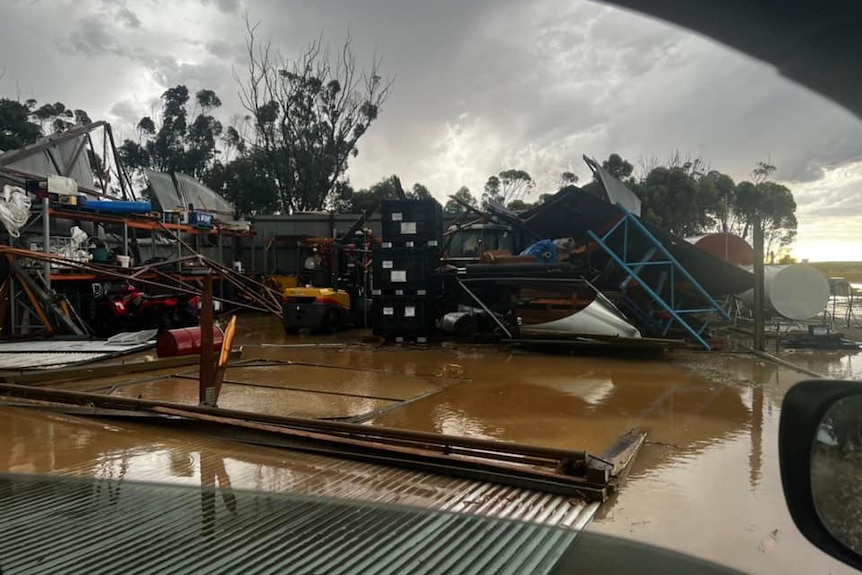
[706, 482]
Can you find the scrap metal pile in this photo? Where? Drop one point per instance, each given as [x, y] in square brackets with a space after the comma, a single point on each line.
[580, 269]
[84, 256]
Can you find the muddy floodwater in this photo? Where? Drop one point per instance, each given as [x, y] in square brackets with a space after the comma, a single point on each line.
[705, 483]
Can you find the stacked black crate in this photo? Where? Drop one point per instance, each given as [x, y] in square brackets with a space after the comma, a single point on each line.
[404, 285]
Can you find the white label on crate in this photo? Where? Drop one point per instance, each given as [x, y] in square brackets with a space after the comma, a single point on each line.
[409, 311]
[408, 244]
[408, 227]
[389, 311]
[398, 276]
[387, 264]
[396, 216]
[432, 244]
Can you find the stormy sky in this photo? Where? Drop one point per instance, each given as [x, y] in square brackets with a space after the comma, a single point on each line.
[479, 86]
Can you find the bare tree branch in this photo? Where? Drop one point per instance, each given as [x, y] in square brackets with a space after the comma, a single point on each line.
[308, 115]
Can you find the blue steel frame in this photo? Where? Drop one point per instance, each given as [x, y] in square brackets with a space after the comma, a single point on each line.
[633, 268]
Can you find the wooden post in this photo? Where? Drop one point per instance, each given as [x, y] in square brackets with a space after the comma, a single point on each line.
[759, 295]
[207, 390]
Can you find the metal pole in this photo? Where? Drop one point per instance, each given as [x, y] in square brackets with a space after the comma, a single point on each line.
[484, 307]
[759, 296]
[46, 231]
[207, 390]
[221, 262]
[125, 237]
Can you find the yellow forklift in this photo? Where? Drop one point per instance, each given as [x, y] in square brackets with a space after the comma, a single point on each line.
[333, 286]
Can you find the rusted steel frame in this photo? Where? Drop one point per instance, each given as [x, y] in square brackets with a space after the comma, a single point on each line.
[212, 262]
[264, 290]
[265, 296]
[372, 433]
[45, 297]
[413, 453]
[180, 286]
[449, 468]
[228, 275]
[622, 453]
[153, 267]
[37, 307]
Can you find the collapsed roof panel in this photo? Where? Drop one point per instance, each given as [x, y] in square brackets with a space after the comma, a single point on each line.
[185, 193]
[572, 212]
[61, 156]
[201, 197]
[164, 191]
[617, 192]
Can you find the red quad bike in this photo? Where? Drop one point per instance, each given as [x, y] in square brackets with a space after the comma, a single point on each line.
[122, 308]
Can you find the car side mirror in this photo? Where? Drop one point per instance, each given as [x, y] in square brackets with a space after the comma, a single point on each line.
[820, 454]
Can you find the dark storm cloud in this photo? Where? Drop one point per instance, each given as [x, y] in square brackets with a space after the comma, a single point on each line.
[128, 112]
[92, 38]
[224, 49]
[128, 18]
[480, 86]
[229, 6]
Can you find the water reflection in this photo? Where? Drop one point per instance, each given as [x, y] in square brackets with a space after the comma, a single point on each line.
[215, 481]
[578, 403]
[835, 364]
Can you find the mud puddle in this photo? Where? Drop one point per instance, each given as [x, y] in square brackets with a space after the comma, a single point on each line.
[706, 483]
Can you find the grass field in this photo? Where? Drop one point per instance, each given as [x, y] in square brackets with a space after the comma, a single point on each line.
[851, 271]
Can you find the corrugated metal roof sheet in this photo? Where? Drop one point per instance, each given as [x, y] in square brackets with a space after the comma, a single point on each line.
[56, 353]
[99, 526]
[316, 475]
[79, 345]
[40, 360]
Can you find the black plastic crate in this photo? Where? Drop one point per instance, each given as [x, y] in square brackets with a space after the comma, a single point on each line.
[430, 244]
[401, 271]
[417, 221]
[402, 317]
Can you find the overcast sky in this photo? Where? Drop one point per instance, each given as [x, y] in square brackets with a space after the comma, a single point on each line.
[480, 86]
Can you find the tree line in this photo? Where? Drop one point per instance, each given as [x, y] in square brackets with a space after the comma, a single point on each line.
[304, 120]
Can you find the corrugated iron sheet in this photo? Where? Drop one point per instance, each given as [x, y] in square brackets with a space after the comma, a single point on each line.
[57, 353]
[43, 360]
[100, 526]
[266, 469]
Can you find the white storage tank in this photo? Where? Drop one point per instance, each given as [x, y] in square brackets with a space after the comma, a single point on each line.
[796, 291]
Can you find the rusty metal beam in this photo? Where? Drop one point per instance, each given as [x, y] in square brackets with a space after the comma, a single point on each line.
[416, 455]
[177, 286]
[372, 433]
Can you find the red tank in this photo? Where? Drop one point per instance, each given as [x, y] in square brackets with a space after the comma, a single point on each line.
[184, 341]
[728, 247]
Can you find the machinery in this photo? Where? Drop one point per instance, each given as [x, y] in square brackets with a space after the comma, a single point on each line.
[320, 309]
[467, 244]
[124, 307]
[332, 285]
